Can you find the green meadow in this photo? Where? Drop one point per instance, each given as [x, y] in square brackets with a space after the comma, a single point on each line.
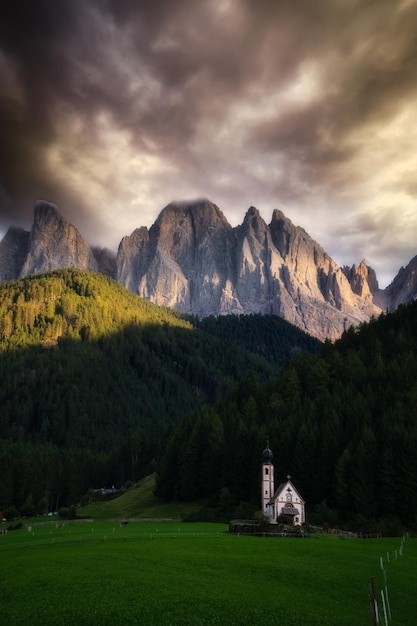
[167, 573]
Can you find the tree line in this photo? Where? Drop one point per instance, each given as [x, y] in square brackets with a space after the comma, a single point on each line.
[100, 387]
[96, 372]
[343, 423]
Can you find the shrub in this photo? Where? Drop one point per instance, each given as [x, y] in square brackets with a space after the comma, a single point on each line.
[261, 518]
[69, 512]
[11, 513]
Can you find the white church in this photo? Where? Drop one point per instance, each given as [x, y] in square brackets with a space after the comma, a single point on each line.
[285, 499]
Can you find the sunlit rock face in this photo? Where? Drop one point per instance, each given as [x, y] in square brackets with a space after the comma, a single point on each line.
[185, 260]
[54, 243]
[193, 260]
[297, 279]
[362, 279]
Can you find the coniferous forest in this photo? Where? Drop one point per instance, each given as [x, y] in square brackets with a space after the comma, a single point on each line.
[92, 376]
[343, 423]
[100, 387]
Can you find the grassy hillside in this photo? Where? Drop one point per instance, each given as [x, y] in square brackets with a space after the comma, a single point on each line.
[139, 502]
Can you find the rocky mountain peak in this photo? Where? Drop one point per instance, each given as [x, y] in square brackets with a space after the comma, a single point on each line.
[252, 214]
[192, 259]
[253, 223]
[13, 251]
[106, 261]
[133, 259]
[283, 232]
[45, 212]
[403, 288]
[184, 260]
[362, 279]
[199, 214]
[54, 243]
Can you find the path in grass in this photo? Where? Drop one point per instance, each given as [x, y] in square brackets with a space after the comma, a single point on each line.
[196, 574]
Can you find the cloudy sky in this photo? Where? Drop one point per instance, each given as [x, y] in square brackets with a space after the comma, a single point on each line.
[113, 108]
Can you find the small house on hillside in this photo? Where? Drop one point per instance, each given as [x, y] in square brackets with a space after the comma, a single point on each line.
[285, 500]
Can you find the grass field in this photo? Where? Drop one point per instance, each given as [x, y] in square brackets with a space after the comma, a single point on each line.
[163, 573]
[139, 502]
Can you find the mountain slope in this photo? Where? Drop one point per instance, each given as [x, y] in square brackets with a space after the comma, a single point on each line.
[13, 253]
[55, 243]
[270, 336]
[403, 288]
[92, 375]
[183, 261]
[93, 362]
[192, 260]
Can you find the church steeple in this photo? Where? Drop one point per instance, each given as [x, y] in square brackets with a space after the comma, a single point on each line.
[267, 478]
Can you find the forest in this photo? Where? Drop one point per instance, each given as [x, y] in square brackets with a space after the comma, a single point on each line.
[100, 388]
[342, 423]
[92, 377]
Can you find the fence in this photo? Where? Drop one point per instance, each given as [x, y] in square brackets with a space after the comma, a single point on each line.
[381, 609]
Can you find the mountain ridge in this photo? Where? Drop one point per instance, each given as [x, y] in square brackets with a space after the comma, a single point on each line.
[193, 260]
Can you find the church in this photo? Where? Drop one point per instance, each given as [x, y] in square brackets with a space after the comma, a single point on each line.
[285, 499]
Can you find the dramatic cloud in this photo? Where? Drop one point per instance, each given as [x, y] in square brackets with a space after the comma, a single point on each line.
[113, 108]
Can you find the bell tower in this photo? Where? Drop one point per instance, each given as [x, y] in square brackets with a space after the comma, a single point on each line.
[267, 480]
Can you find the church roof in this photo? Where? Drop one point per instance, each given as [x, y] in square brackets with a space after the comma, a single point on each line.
[289, 510]
[281, 487]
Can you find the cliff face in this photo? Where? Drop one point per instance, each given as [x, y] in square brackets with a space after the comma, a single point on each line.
[403, 288]
[54, 243]
[193, 260]
[183, 261]
[13, 252]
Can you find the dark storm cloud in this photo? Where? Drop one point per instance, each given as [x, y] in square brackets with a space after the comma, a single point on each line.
[121, 103]
[367, 54]
[81, 57]
[32, 43]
